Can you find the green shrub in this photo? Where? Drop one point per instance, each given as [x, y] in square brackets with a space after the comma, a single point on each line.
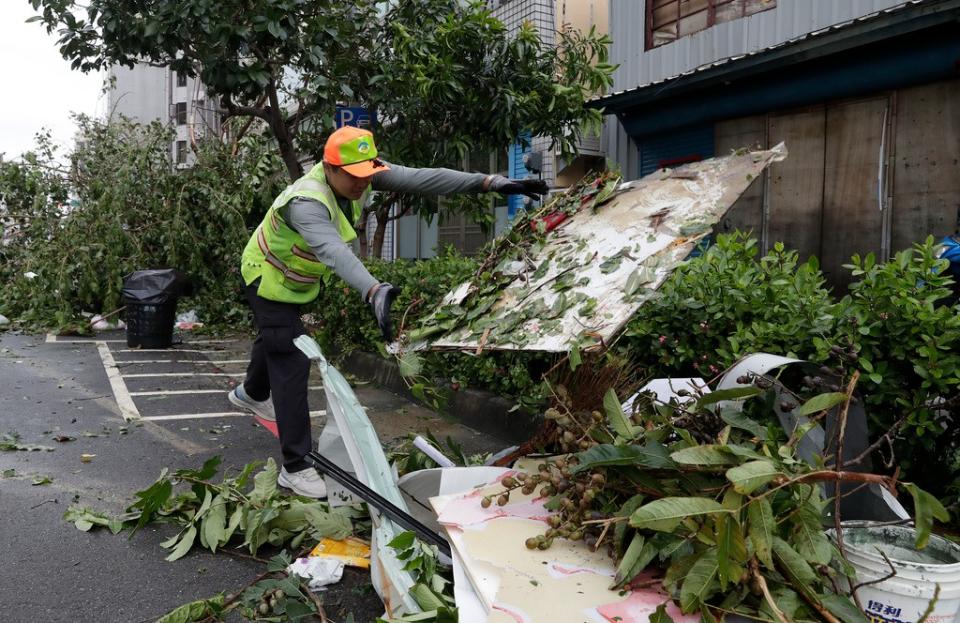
[907, 341]
[134, 209]
[724, 304]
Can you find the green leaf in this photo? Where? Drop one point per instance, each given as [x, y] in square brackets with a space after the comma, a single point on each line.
[792, 564]
[575, 359]
[731, 551]
[808, 536]
[734, 393]
[666, 513]
[660, 615]
[265, 483]
[214, 523]
[705, 455]
[700, 582]
[410, 364]
[651, 455]
[762, 528]
[738, 420]
[186, 542]
[635, 560]
[620, 528]
[843, 608]
[750, 476]
[403, 541]
[333, 524]
[193, 611]
[618, 420]
[426, 598]
[926, 508]
[822, 402]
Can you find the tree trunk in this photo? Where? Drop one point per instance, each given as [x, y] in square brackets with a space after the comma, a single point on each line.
[361, 230]
[284, 140]
[383, 217]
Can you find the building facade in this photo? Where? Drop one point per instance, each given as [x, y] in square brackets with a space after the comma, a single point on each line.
[145, 94]
[865, 94]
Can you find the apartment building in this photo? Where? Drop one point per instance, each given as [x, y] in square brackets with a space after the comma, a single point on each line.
[145, 93]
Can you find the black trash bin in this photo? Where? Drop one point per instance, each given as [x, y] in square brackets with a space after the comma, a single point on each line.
[151, 300]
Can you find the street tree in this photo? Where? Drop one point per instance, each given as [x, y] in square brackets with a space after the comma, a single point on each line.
[444, 76]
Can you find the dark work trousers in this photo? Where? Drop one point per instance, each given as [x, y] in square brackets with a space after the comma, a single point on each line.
[279, 369]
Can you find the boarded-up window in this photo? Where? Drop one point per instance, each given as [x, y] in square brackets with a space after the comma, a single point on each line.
[460, 232]
[181, 113]
[668, 20]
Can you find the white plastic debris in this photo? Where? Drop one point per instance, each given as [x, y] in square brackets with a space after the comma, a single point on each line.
[318, 571]
[99, 323]
[188, 320]
[4, 320]
[30, 275]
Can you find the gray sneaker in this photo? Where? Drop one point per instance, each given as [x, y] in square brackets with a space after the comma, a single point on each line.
[307, 482]
[264, 408]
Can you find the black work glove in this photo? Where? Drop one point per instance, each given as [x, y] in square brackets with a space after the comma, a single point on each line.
[380, 304]
[507, 186]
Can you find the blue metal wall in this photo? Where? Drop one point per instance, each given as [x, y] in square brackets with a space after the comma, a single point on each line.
[693, 143]
[516, 170]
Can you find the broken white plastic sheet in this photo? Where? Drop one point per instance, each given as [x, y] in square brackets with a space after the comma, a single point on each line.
[618, 254]
[370, 465]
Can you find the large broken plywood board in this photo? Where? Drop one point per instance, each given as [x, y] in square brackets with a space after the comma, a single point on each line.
[581, 285]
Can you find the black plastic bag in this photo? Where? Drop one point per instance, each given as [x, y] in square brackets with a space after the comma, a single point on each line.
[159, 285]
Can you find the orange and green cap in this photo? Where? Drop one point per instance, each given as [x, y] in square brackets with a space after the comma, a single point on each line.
[354, 151]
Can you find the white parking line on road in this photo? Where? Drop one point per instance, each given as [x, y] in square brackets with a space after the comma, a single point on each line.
[193, 361]
[155, 374]
[170, 350]
[178, 392]
[203, 416]
[128, 409]
[51, 338]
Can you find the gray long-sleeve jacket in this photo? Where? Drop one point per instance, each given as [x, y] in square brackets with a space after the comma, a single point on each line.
[312, 220]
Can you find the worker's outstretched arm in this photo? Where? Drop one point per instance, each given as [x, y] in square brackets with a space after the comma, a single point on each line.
[438, 181]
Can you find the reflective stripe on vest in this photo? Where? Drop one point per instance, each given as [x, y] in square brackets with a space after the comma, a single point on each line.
[274, 261]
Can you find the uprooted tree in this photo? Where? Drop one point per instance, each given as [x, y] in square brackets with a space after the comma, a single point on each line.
[445, 77]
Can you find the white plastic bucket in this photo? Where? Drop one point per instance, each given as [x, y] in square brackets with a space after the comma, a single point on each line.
[905, 597]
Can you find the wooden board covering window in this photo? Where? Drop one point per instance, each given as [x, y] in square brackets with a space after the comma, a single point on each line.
[735, 134]
[796, 184]
[926, 175]
[852, 219]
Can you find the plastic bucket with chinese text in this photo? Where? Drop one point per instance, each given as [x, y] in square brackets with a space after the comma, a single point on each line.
[905, 596]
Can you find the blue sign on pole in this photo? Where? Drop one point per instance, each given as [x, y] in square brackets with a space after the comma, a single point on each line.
[357, 116]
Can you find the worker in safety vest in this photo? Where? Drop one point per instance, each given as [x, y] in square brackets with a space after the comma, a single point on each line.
[302, 240]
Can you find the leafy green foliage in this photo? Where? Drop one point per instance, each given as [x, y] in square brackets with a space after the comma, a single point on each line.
[736, 521]
[131, 209]
[433, 590]
[423, 65]
[232, 511]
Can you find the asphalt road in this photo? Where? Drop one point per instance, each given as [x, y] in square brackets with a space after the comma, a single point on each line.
[177, 415]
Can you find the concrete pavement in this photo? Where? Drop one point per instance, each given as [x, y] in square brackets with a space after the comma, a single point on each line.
[138, 411]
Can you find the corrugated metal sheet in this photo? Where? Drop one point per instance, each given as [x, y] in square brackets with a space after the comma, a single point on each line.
[789, 20]
[673, 148]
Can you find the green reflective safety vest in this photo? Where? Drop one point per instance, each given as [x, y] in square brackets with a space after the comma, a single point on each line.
[278, 255]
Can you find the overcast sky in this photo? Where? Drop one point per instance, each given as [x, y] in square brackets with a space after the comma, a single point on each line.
[41, 88]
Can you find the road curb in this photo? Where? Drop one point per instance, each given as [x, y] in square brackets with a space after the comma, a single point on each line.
[481, 410]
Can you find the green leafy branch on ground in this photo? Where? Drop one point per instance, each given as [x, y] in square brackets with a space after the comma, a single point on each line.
[719, 502]
[247, 506]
